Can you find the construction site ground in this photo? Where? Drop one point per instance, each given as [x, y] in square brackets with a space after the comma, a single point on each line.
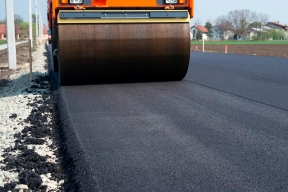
[22, 52]
[22, 56]
[260, 50]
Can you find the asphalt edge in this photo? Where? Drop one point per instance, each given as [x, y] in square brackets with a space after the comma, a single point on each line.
[73, 161]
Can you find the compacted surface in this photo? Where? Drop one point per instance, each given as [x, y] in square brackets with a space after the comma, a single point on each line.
[223, 128]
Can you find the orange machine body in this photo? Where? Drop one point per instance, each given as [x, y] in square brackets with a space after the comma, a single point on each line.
[55, 5]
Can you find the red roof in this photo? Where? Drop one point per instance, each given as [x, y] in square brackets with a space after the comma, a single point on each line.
[45, 29]
[277, 23]
[18, 31]
[2, 28]
[202, 28]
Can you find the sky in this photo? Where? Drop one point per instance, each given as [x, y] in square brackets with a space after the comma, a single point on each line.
[205, 10]
[21, 8]
[209, 10]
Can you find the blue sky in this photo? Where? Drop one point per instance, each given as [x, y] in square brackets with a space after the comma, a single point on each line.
[205, 10]
[21, 8]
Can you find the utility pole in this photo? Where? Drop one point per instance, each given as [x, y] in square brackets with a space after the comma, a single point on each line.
[10, 30]
[40, 26]
[30, 23]
[36, 21]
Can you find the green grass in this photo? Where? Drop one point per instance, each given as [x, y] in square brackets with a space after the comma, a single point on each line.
[241, 42]
[3, 42]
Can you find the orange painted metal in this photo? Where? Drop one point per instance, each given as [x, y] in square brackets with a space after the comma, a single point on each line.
[99, 3]
[132, 3]
[114, 4]
[191, 8]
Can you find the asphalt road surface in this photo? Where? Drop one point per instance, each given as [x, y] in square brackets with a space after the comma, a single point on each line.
[223, 128]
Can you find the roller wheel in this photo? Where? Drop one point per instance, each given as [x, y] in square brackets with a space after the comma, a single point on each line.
[54, 37]
[116, 53]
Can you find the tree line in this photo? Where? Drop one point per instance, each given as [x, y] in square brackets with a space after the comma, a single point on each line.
[239, 21]
[23, 26]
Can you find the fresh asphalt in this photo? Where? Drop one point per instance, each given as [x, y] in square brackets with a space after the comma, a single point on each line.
[223, 128]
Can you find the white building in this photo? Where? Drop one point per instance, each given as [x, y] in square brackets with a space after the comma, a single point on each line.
[253, 31]
[217, 36]
[195, 29]
[277, 25]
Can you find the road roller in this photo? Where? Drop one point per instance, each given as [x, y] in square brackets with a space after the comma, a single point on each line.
[119, 41]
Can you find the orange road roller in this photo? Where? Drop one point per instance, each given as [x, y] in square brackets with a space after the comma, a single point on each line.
[118, 41]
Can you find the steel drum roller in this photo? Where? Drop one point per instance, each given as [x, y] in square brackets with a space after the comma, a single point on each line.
[123, 52]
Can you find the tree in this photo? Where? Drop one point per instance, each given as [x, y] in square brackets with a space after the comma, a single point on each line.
[240, 18]
[33, 18]
[197, 22]
[199, 35]
[223, 25]
[255, 24]
[263, 18]
[18, 19]
[3, 21]
[24, 27]
[208, 25]
[258, 21]
[34, 29]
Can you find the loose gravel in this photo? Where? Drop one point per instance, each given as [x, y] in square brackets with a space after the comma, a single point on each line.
[29, 157]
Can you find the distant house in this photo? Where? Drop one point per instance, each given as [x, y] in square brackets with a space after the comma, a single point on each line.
[195, 29]
[217, 36]
[45, 32]
[2, 31]
[18, 33]
[254, 31]
[276, 25]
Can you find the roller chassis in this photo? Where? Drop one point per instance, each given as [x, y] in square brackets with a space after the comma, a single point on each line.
[160, 54]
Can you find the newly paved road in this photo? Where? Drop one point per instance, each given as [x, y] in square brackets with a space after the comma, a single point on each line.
[223, 128]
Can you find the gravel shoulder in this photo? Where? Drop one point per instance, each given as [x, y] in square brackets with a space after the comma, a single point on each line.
[29, 157]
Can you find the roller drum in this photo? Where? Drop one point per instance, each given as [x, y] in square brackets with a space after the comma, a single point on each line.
[116, 53]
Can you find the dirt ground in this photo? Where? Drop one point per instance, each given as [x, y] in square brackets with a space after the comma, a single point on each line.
[22, 52]
[261, 50]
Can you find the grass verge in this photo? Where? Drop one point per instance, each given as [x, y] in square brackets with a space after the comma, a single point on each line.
[3, 42]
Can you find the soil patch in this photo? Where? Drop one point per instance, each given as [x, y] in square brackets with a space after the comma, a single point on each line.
[22, 56]
[262, 50]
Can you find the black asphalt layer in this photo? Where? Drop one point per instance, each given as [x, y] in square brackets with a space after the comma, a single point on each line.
[223, 128]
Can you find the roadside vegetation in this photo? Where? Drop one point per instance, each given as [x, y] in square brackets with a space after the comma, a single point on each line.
[3, 42]
[21, 25]
[244, 25]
